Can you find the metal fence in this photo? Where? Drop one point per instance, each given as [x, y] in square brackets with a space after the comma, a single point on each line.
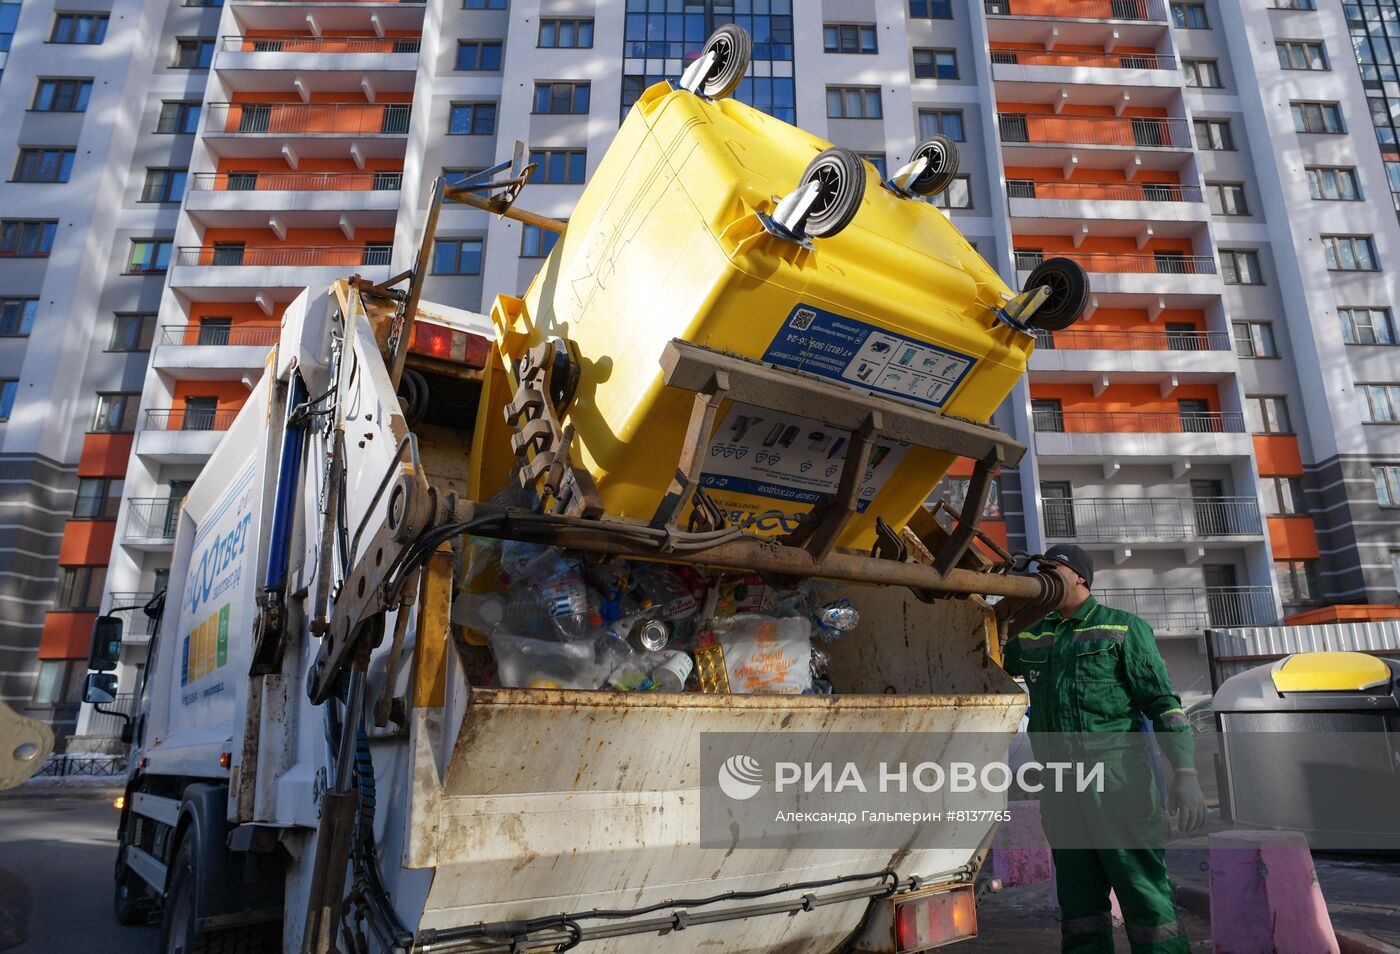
[251, 335]
[1138, 422]
[318, 44]
[1158, 264]
[135, 623]
[151, 518]
[1191, 608]
[250, 181]
[308, 119]
[1110, 519]
[190, 419]
[1146, 132]
[1106, 191]
[1123, 61]
[1079, 9]
[1088, 340]
[83, 765]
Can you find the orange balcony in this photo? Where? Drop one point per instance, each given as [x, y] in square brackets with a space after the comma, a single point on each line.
[1070, 58]
[1161, 263]
[1139, 132]
[190, 418]
[1105, 191]
[1076, 339]
[1152, 11]
[274, 256]
[319, 44]
[307, 119]
[1138, 422]
[246, 334]
[386, 181]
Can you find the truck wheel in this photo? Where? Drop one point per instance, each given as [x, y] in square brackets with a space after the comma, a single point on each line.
[840, 177]
[179, 929]
[131, 901]
[1069, 293]
[733, 48]
[942, 154]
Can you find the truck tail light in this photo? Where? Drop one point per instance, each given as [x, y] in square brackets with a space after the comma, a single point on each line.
[448, 344]
[934, 919]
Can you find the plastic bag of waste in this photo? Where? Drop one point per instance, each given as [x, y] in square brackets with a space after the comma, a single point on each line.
[525, 663]
[765, 654]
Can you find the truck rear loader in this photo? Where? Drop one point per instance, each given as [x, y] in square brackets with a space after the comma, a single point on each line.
[317, 764]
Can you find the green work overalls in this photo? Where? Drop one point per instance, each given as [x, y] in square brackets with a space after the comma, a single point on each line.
[1099, 671]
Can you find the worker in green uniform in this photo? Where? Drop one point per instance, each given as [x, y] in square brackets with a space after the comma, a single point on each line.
[1092, 669]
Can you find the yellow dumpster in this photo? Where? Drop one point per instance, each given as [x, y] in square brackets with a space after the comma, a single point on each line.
[674, 238]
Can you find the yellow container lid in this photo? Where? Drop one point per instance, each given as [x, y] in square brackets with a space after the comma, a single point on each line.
[1330, 672]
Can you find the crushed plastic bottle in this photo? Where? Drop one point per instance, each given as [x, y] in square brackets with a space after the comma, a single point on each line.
[552, 601]
[821, 674]
[835, 618]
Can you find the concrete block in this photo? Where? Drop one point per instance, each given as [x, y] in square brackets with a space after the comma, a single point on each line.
[1264, 895]
[1020, 853]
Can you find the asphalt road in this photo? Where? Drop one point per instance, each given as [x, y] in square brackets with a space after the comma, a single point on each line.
[57, 847]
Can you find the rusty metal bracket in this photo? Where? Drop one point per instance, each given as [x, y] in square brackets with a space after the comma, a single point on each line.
[686, 479]
[822, 526]
[888, 544]
[548, 375]
[979, 487]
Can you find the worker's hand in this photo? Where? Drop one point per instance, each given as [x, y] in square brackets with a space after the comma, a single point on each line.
[1188, 802]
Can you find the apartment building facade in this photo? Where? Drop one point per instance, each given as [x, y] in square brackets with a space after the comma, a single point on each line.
[1214, 166]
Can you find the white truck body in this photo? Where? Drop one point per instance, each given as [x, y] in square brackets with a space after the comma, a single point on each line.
[492, 804]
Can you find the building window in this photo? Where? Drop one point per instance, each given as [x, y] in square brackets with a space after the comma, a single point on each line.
[931, 9]
[472, 119]
[1333, 183]
[1254, 339]
[1281, 496]
[44, 165]
[948, 122]
[80, 587]
[459, 174]
[1267, 415]
[484, 4]
[98, 498]
[164, 185]
[1367, 326]
[149, 255]
[1387, 480]
[558, 166]
[876, 159]
[1047, 414]
[1202, 74]
[1297, 580]
[60, 681]
[849, 37]
[133, 332]
[936, 64]
[194, 53]
[480, 56]
[1190, 16]
[1395, 567]
[566, 34]
[1226, 198]
[536, 242]
[1302, 55]
[116, 413]
[1293, 4]
[561, 97]
[958, 195]
[9, 388]
[853, 102]
[62, 95]
[1380, 403]
[17, 316]
[1214, 135]
[457, 257]
[86, 28]
[178, 117]
[1240, 267]
[21, 238]
[1317, 118]
[1350, 253]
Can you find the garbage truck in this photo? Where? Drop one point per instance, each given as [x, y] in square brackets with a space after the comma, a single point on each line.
[323, 756]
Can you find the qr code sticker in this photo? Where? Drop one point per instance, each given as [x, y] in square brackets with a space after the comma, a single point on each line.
[802, 319]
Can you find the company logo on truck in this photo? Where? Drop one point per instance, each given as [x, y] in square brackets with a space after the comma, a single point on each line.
[210, 575]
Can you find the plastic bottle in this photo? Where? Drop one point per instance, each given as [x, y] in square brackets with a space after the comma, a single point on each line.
[552, 602]
[671, 671]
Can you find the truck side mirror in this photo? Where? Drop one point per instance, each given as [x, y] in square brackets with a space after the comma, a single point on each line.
[106, 644]
[101, 688]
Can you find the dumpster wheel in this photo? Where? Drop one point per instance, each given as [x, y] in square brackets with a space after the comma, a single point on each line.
[840, 177]
[1069, 293]
[733, 48]
[942, 155]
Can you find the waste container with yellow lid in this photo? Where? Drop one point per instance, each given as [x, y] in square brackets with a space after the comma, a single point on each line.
[674, 238]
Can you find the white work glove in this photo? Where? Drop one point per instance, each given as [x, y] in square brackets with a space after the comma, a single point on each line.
[1188, 802]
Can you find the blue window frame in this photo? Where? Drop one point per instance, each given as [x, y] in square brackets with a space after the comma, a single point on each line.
[537, 242]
